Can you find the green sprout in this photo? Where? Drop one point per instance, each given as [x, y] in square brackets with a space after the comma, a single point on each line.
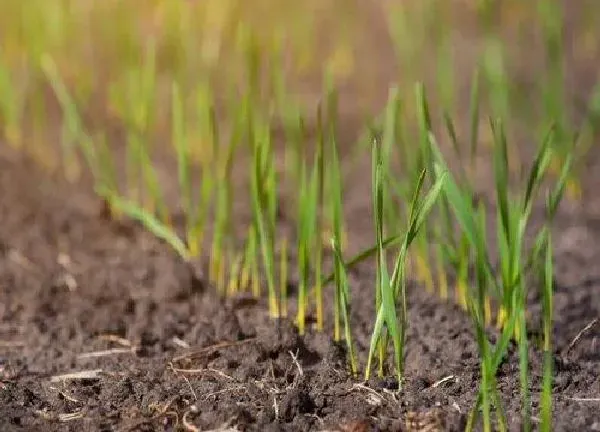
[341, 294]
[512, 221]
[263, 189]
[306, 221]
[547, 303]
[394, 289]
[342, 304]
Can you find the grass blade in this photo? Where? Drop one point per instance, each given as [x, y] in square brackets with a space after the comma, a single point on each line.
[151, 223]
[343, 302]
[547, 310]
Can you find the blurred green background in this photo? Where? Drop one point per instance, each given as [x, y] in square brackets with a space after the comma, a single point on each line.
[539, 57]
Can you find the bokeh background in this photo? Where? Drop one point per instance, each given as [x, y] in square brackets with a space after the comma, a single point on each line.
[540, 57]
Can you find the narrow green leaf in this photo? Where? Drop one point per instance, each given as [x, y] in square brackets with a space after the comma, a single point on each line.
[151, 223]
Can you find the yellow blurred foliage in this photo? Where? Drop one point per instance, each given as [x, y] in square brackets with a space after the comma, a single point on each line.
[96, 44]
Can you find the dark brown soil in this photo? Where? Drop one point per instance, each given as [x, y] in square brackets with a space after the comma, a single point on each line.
[81, 293]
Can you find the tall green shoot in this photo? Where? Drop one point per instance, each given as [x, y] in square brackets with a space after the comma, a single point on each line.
[152, 224]
[391, 215]
[319, 204]
[541, 258]
[262, 191]
[223, 164]
[394, 289]
[472, 224]
[342, 304]
[547, 312]
[341, 289]
[306, 221]
[512, 221]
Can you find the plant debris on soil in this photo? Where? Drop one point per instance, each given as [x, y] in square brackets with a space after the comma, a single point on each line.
[103, 328]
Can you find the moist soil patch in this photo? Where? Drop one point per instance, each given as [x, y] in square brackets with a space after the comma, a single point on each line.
[102, 328]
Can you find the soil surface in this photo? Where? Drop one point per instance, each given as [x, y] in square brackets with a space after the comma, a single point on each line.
[160, 351]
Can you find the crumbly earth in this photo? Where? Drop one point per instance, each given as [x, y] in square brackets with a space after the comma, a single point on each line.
[159, 350]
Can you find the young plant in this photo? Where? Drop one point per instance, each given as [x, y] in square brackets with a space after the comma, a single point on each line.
[393, 290]
[541, 260]
[472, 223]
[319, 166]
[342, 299]
[513, 217]
[221, 165]
[342, 304]
[224, 193]
[476, 308]
[263, 191]
[341, 293]
[307, 215]
[391, 215]
[512, 221]
[547, 311]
